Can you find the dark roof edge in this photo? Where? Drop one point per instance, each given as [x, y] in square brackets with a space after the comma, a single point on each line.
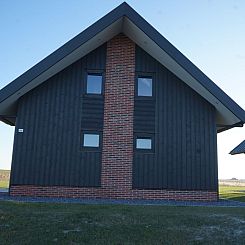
[5, 120]
[185, 63]
[62, 52]
[236, 153]
[236, 150]
[123, 10]
[226, 127]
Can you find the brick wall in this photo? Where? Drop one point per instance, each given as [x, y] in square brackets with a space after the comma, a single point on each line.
[117, 153]
[78, 192]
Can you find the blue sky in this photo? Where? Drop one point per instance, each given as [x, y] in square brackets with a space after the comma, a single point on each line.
[209, 32]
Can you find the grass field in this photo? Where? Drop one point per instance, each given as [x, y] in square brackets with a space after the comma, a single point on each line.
[33, 223]
[4, 178]
[235, 193]
[4, 183]
[4, 174]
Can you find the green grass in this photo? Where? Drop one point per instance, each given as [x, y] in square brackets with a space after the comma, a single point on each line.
[4, 178]
[4, 174]
[235, 193]
[4, 184]
[33, 223]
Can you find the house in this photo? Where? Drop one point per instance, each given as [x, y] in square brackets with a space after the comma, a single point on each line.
[117, 112]
[239, 149]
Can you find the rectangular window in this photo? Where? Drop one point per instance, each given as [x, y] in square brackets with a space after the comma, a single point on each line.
[91, 140]
[144, 143]
[94, 83]
[144, 86]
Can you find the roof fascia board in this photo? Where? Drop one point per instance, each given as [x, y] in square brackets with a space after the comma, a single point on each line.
[237, 149]
[141, 39]
[9, 121]
[78, 53]
[222, 128]
[179, 58]
[48, 64]
[63, 51]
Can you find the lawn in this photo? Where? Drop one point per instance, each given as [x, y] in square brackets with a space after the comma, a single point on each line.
[4, 184]
[235, 193]
[33, 223]
[4, 178]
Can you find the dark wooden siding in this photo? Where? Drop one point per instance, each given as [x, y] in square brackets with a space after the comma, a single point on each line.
[144, 109]
[52, 115]
[185, 156]
[92, 113]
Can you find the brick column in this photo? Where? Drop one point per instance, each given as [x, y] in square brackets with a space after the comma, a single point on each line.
[117, 153]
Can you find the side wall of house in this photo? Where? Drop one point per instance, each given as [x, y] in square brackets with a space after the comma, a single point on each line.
[52, 116]
[182, 124]
[48, 159]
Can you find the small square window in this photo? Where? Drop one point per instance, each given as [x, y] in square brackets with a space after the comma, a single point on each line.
[144, 86]
[91, 140]
[94, 84]
[144, 143]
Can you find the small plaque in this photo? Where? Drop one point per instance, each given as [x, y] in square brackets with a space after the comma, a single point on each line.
[20, 130]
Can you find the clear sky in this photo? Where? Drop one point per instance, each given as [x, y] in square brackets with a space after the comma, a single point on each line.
[211, 33]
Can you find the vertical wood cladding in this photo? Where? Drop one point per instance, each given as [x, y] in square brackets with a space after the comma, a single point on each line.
[144, 109]
[185, 156]
[117, 153]
[92, 113]
[48, 152]
[47, 156]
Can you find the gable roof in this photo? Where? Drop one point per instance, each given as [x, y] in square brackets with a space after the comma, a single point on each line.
[123, 19]
[239, 149]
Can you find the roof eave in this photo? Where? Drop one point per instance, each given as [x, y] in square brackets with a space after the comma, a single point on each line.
[8, 120]
[238, 149]
[63, 51]
[227, 127]
[185, 63]
[124, 10]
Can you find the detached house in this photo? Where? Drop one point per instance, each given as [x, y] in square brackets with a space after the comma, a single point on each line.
[117, 112]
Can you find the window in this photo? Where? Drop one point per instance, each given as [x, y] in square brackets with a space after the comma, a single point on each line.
[144, 86]
[144, 143]
[91, 140]
[94, 83]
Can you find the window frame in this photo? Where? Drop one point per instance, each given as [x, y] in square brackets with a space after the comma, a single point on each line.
[91, 148]
[94, 72]
[144, 75]
[144, 136]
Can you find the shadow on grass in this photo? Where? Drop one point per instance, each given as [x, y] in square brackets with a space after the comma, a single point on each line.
[232, 193]
[233, 198]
